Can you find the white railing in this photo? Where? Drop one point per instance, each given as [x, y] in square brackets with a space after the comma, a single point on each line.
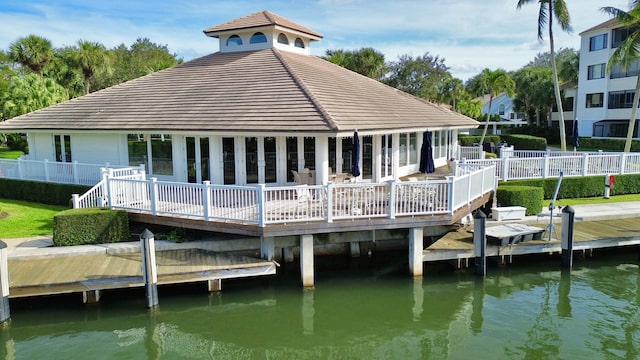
[97, 196]
[470, 153]
[525, 165]
[261, 205]
[58, 172]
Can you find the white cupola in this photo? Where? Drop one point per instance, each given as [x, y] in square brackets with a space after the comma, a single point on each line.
[263, 30]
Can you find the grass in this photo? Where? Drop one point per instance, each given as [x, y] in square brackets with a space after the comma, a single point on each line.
[596, 200]
[19, 219]
[9, 154]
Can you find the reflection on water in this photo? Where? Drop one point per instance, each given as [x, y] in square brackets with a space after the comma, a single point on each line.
[375, 311]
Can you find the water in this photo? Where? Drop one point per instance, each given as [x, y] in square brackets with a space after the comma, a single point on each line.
[369, 311]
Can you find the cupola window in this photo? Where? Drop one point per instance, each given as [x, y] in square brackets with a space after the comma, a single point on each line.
[299, 43]
[282, 39]
[234, 40]
[258, 38]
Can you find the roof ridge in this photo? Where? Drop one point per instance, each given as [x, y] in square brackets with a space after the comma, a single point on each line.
[267, 14]
[305, 89]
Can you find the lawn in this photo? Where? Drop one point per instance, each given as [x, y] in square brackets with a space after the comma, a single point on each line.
[596, 200]
[20, 219]
[9, 154]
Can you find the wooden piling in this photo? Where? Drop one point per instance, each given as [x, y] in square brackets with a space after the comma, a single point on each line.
[5, 313]
[480, 242]
[149, 268]
[568, 217]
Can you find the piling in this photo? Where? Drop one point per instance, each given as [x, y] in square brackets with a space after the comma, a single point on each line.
[5, 314]
[480, 242]
[149, 268]
[568, 217]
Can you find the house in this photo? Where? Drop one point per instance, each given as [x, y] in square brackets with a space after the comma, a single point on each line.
[568, 90]
[254, 112]
[501, 105]
[604, 99]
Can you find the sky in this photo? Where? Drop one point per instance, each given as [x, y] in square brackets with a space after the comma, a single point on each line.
[469, 34]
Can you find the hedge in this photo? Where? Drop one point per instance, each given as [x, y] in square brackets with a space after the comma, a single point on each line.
[469, 140]
[530, 197]
[90, 226]
[41, 192]
[581, 186]
[607, 144]
[525, 142]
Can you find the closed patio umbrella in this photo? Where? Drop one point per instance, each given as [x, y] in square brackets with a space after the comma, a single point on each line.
[576, 140]
[355, 155]
[426, 154]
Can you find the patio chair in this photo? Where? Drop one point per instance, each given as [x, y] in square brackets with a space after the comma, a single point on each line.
[296, 177]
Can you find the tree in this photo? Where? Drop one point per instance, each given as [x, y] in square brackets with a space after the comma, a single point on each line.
[32, 51]
[548, 10]
[142, 58]
[29, 93]
[451, 90]
[366, 61]
[534, 91]
[91, 57]
[626, 54]
[494, 83]
[421, 76]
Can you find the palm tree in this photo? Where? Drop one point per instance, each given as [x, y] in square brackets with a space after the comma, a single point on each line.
[494, 83]
[90, 58]
[32, 51]
[626, 54]
[548, 10]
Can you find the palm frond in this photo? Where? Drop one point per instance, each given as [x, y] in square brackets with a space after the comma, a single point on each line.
[543, 19]
[562, 15]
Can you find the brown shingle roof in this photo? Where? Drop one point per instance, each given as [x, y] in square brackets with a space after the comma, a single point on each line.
[253, 91]
[259, 19]
[611, 23]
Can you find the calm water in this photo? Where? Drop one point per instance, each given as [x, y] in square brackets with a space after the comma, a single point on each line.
[371, 310]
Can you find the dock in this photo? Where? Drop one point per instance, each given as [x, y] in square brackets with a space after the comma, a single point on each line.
[588, 235]
[91, 268]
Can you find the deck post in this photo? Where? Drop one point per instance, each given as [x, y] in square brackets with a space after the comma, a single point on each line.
[415, 251]
[568, 217]
[5, 314]
[91, 296]
[149, 269]
[214, 285]
[206, 199]
[153, 195]
[480, 242]
[354, 247]
[392, 199]
[267, 247]
[306, 260]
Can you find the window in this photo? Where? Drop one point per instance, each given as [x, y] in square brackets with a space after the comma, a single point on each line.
[598, 42]
[258, 38]
[234, 40]
[251, 159]
[282, 39]
[621, 99]
[63, 147]
[631, 70]
[596, 71]
[413, 148]
[594, 100]
[154, 151]
[403, 150]
[299, 43]
[501, 109]
[620, 35]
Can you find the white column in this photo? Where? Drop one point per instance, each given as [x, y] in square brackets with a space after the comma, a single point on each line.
[415, 251]
[322, 159]
[267, 247]
[306, 260]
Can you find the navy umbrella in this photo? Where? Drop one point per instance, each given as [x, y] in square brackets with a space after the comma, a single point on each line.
[426, 154]
[355, 155]
[576, 140]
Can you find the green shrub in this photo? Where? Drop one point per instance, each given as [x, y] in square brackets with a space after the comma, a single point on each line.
[40, 192]
[525, 142]
[582, 186]
[90, 226]
[17, 142]
[607, 144]
[530, 197]
[469, 140]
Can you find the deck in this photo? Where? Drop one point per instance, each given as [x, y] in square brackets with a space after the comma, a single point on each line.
[588, 235]
[76, 273]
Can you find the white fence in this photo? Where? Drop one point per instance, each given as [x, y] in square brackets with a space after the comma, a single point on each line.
[547, 164]
[58, 172]
[261, 205]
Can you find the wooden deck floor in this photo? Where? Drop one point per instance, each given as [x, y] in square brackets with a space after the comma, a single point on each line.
[78, 273]
[587, 235]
